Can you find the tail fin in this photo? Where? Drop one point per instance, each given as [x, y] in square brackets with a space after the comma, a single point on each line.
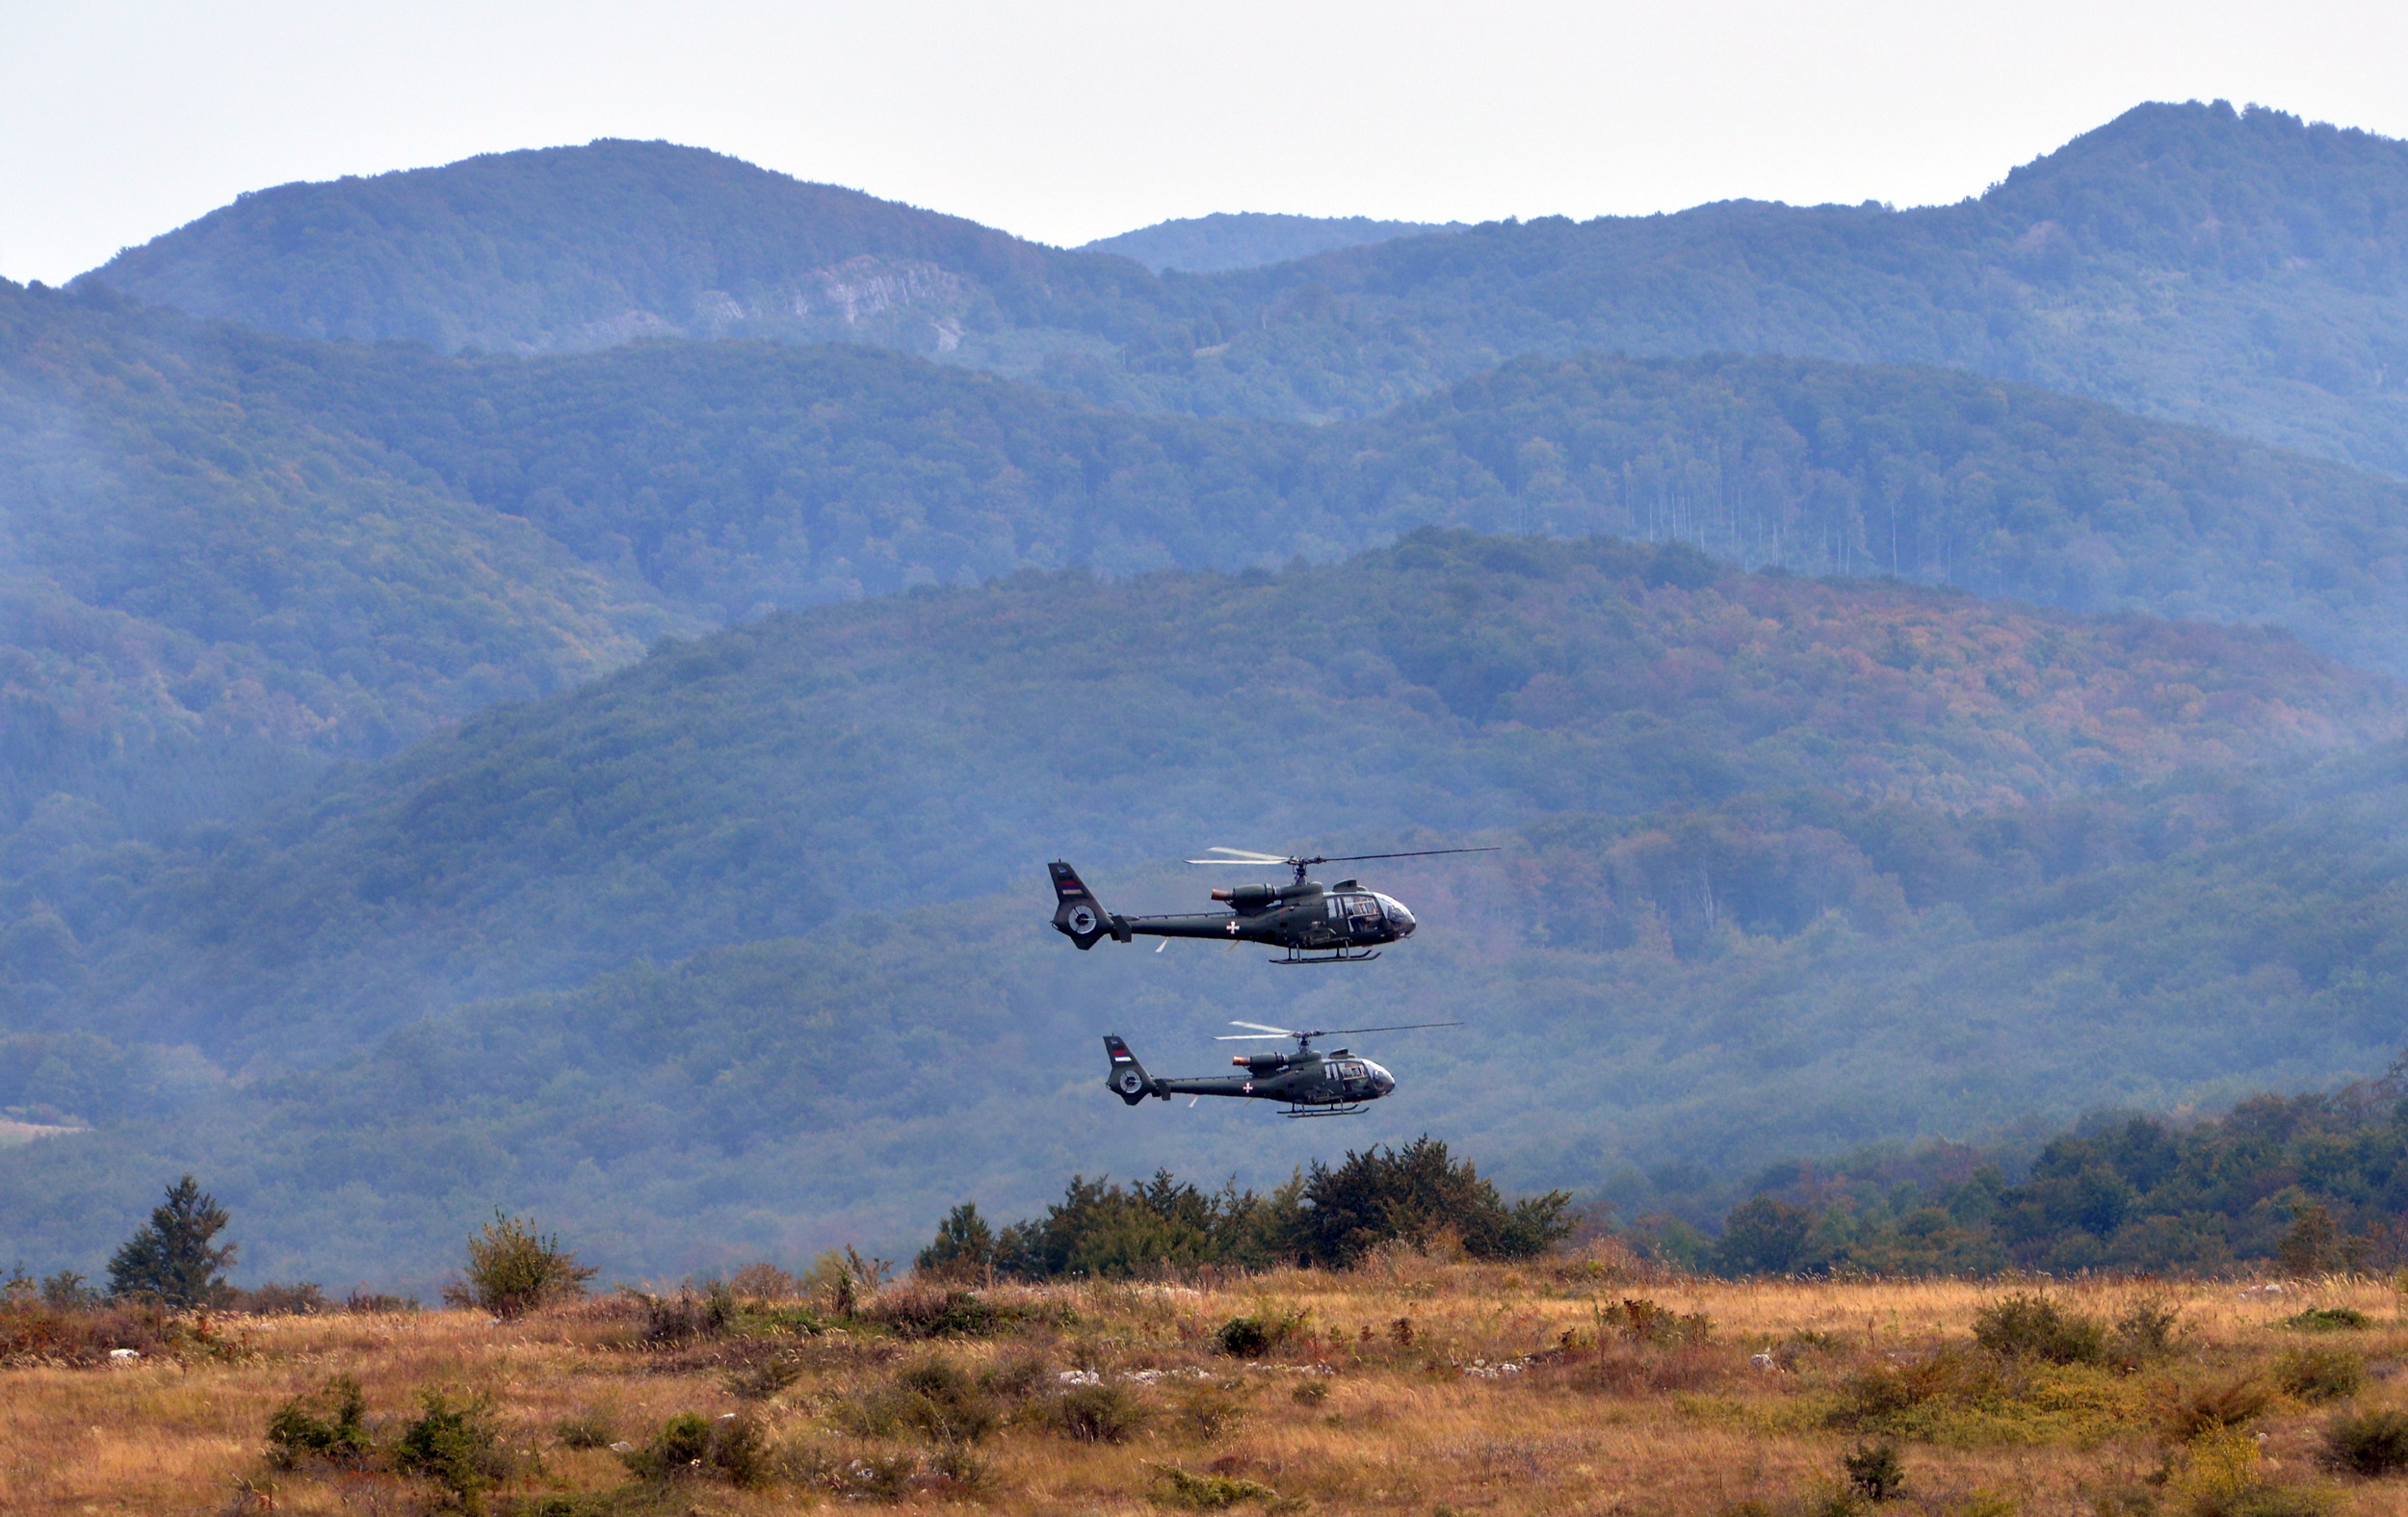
[1127, 1077]
[1077, 914]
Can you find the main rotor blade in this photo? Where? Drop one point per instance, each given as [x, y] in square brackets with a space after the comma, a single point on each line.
[1419, 853]
[1244, 863]
[1401, 1027]
[1263, 1027]
[1251, 855]
[1248, 1037]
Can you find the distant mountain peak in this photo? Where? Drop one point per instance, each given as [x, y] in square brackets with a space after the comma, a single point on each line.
[1249, 239]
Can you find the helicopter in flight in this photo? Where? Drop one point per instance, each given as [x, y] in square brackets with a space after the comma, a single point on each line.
[1342, 924]
[1313, 1084]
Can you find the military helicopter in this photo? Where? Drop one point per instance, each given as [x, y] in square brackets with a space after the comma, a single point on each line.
[1334, 1084]
[1343, 924]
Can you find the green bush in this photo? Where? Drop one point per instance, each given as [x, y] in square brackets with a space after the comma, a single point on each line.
[2035, 1327]
[691, 1445]
[2320, 1373]
[324, 1425]
[2151, 1330]
[453, 1443]
[2369, 1443]
[1874, 1471]
[1205, 1493]
[938, 1401]
[1260, 1333]
[513, 1268]
[590, 1429]
[2327, 1319]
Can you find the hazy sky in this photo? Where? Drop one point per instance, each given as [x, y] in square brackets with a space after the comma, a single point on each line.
[1066, 121]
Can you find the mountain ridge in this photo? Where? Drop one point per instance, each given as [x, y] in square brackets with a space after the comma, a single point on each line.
[2234, 270]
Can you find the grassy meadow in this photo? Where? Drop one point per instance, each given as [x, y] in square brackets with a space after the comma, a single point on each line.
[1409, 1385]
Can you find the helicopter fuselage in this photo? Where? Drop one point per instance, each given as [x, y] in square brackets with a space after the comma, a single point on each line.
[1315, 923]
[1311, 1082]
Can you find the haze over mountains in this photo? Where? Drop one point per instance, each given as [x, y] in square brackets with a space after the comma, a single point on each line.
[1770, 845]
[2240, 271]
[1880, 748]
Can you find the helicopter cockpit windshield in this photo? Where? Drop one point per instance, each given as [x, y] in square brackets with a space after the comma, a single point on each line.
[1398, 918]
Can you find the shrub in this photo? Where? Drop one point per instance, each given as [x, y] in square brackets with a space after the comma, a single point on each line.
[691, 1445]
[34, 1333]
[369, 1301]
[764, 1379]
[1207, 1411]
[1205, 1493]
[326, 1424]
[174, 1258]
[2035, 1327]
[2327, 1319]
[590, 1429]
[686, 1315]
[923, 1311]
[67, 1291]
[2369, 1443]
[1643, 1321]
[844, 1278]
[1874, 1471]
[454, 1443]
[1253, 1336]
[1097, 1413]
[2151, 1330]
[512, 1270]
[935, 1399]
[765, 1282]
[2191, 1412]
[301, 1298]
[2321, 1373]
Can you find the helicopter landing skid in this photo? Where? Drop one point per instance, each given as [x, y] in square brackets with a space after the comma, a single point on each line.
[1340, 957]
[1294, 1111]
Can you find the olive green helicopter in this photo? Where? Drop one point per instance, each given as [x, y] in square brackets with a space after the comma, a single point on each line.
[1311, 924]
[1313, 1082]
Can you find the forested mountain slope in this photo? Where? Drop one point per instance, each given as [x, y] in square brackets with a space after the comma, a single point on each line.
[583, 247]
[1657, 1002]
[941, 744]
[2239, 270]
[202, 587]
[732, 478]
[1251, 239]
[232, 557]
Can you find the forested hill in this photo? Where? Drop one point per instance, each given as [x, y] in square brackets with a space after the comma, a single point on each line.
[885, 753]
[231, 556]
[2239, 270]
[583, 247]
[1248, 240]
[1661, 1000]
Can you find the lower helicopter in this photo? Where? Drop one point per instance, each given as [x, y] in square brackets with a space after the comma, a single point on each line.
[1313, 1084]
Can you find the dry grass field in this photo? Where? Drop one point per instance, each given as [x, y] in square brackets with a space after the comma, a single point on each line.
[1408, 1386]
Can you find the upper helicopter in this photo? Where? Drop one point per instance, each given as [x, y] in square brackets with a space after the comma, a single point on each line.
[1343, 924]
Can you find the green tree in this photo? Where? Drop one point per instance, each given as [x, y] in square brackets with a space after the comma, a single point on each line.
[1764, 1237]
[1417, 1193]
[964, 1246]
[174, 1258]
